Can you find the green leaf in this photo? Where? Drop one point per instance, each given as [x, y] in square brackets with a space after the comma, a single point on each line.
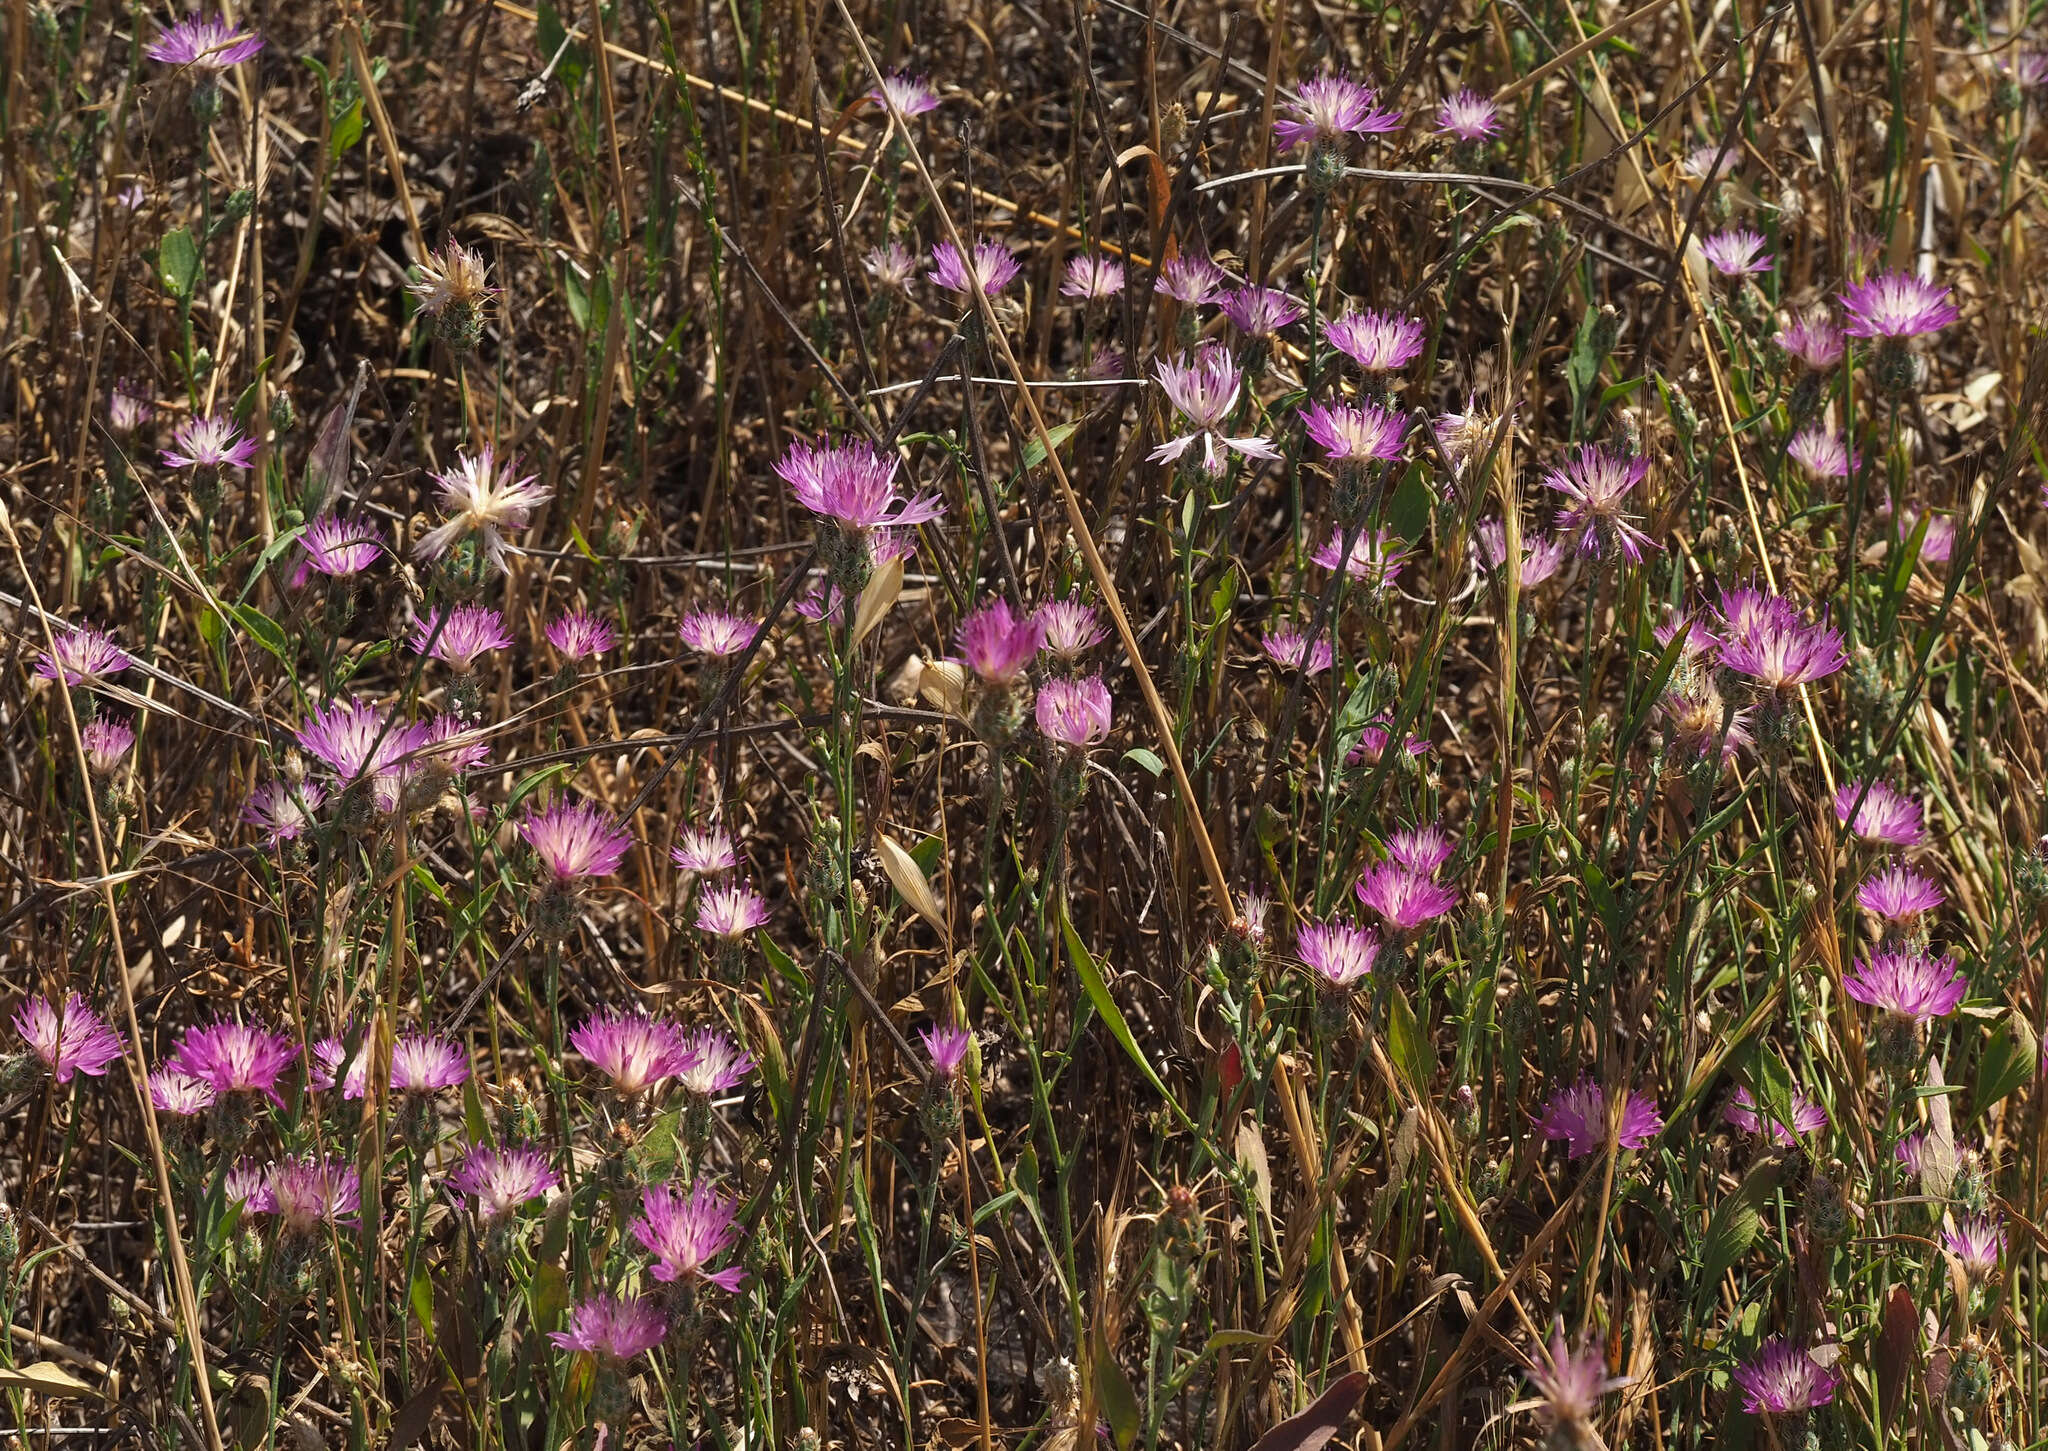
[1034, 449]
[1406, 1044]
[1113, 1393]
[577, 296]
[1735, 1225]
[1105, 1005]
[348, 130]
[1147, 759]
[1653, 689]
[177, 262]
[2010, 1058]
[266, 631]
[1771, 1086]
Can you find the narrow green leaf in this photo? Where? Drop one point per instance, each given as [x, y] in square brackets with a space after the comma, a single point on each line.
[2010, 1058]
[266, 631]
[1407, 1044]
[1105, 1005]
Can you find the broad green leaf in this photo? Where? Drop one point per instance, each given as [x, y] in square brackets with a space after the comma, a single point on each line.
[1143, 757]
[1406, 1044]
[1735, 1224]
[1114, 1394]
[177, 262]
[1034, 449]
[348, 130]
[266, 631]
[2011, 1056]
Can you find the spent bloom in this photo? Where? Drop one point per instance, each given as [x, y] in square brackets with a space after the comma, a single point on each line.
[892, 265]
[1339, 954]
[1355, 433]
[338, 547]
[212, 442]
[1598, 483]
[69, 1040]
[1468, 116]
[1069, 627]
[248, 1184]
[205, 41]
[685, 1232]
[1807, 1117]
[456, 637]
[1074, 712]
[633, 1050]
[990, 268]
[498, 1181]
[997, 642]
[1908, 984]
[424, 1064]
[235, 1057]
[1290, 647]
[1259, 312]
[613, 1328]
[1570, 1381]
[482, 495]
[717, 1064]
[910, 95]
[1899, 895]
[1204, 389]
[1884, 817]
[1376, 556]
[1783, 1379]
[1822, 452]
[81, 655]
[730, 912]
[947, 1046]
[1328, 108]
[106, 743]
[721, 634]
[281, 810]
[308, 1193]
[1092, 279]
[706, 852]
[1737, 252]
[854, 485]
[128, 407]
[1896, 306]
[1978, 1242]
[575, 840]
[1190, 279]
[450, 280]
[179, 1094]
[1405, 900]
[1578, 1115]
[1377, 342]
[1814, 338]
[581, 635]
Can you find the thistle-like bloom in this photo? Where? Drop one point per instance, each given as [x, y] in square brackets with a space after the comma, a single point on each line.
[685, 1232]
[721, 634]
[1908, 984]
[1900, 896]
[1190, 279]
[1693, 712]
[1376, 556]
[1895, 306]
[718, 1065]
[1259, 312]
[233, 1057]
[106, 742]
[575, 840]
[1885, 817]
[997, 642]
[1377, 342]
[706, 852]
[1359, 433]
[1598, 483]
[1093, 279]
[1329, 108]
[1542, 556]
[1814, 338]
[1912, 1152]
[333, 1063]
[854, 485]
[1738, 252]
[423, 1064]
[456, 637]
[991, 268]
[730, 912]
[498, 1181]
[1373, 740]
[892, 265]
[1468, 116]
[1783, 652]
[248, 1184]
[1783, 1379]
[1571, 1382]
[82, 655]
[613, 1329]
[581, 635]
[947, 1046]
[209, 443]
[205, 41]
[1074, 713]
[634, 1051]
[482, 495]
[1938, 544]
[911, 95]
[1069, 628]
[1204, 389]
[128, 407]
[1822, 452]
[309, 1193]
[453, 277]
[1978, 1243]
[2030, 69]
[338, 547]
[69, 1040]
[1421, 849]
[1406, 901]
[1339, 954]
[282, 811]
[179, 1094]
[1578, 1115]
[1807, 1117]
[1291, 648]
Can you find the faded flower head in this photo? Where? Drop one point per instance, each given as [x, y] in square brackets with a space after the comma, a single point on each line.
[1468, 116]
[1376, 557]
[633, 1050]
[1571, 1382]
[70, 1039]
[1908, 984]
[730, 912]
[128, 407]
[1822, 452]
[1093, 279]
[207, 42]
[1542, 555]
[612, 1328]
[1259, 312]
[1896, 306]
[235, 1057]
[580, 635]
[248, 1185]
[456, 637]
[283, 811]
[1376, 342]
[1069, 627]
[339, 548]
[706, 852]
[1291, 648]
[451, 280]
[1578, 1115]
[1204, 389]
[717, 1064]
[1329, 108]
[482, 495]
[1598, 483]
[892, 265]
[909, 94]
[1339, 954]
[575, 840]
[1814, 338]
[81, 655]
[498, 1181]
[1074, 713]
[1737, 252]
[106, 743]
[1807, 1117]
[1884, 818]
[212, 442]
[1405, 900]
[1356, 433]
[179, 1094]
[1190, 279]
[721, 634]
[989, 267]
[310, 1193]
[854, 485]
[685, 1232]
[997, 642]
[1784, 1379]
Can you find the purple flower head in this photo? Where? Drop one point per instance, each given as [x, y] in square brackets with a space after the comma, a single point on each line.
[1374, 739]
[1807, 1117]
[333, 1063]
[179, 1094]
[1912, 1152]
[282, 811]
[991, 268]
[309, 1193]
[1290, 647]
[1339, 954]
[1822, 452]
[1571, 1382]
[581, 635]
[854, 485]
[248, 1184]
[1738, 252]
[1693, 711]
[1885, 817]
[1421, 849]
[1578, 1115]
[482, 495]
[1074, 713]
[721, 634]
[209, 443]
[1978, 1243]
[1938, 544]
[69, 1040]
[575, 840]
[997, 642]
[685, 1232]
[613, 1329]
[718, 1065]
[1350, 433]
[1468, 116]
[730, 912]
[1598, 483]
[1542, 556]
[205, 41]
[1780, 651]
[1204, 390]
[1908, 984]
[705, 852]
[1329, 108]
[233, 1057]
[498, 1181]
[128, 407]
[1376, 556]
[1895, 306]
[910, 95]
[1190, 279]
[948, 1047]
[445, 743]
[1093, 279]
[1406, 901]
[339, 547]
[106, 743]
[1783, 1379]
[423, 1064]
[1377, 342]
[1899, 895]
[82, 655]
[1070, 628]
[1814, 338]
[892, 265]
[634, 1051]
[2030, 69]
[464, 633]
[1259, 312]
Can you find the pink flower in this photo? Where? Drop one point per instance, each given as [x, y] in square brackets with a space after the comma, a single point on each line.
[1339, 954]
[1373, 740]
[209, 443]
[1598, 483]
[179, 1094]
[998, 643]
[730, 912]
[1896, 305]
[1356, 433]
[1814, 338]
[1074, 713]
[207, 42]
[1807, 1117]
[232, 1057]
[705, 852]
[1784, 1379]
[1421, 849]
[1908, 984]
[359, 743]
[106, 743]
[581, 635]
[615, 1330]
[948, 1049]
[1542, 556]
[1822, 452]
[1377, 342]
[456, 637]
[575, 840]
[1376, 556]
[333, 1063]
[1406, 901]
[1468, 116]
[720, 634]
[128, 406]
[1290, 647]
[1204, 389]
[1190, 279]
[1884, 817]
[1093, 279]
[482, 496]
[309, 1193]
[248, 1184]
[685, 1232]
[339, 547]
[498, 1181]
[1778, 650]
[423, 1064]
[1069, 627]
[1978, 1243]
[853, 485]
[1259, 312]
[1738, 252]
[1329, 108]
[1899, 895]
[634, 1051]
[1578, 1115]
[82, 655]
[991, 268]
[910, 95]
[69, 1040]
[717, 1064]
